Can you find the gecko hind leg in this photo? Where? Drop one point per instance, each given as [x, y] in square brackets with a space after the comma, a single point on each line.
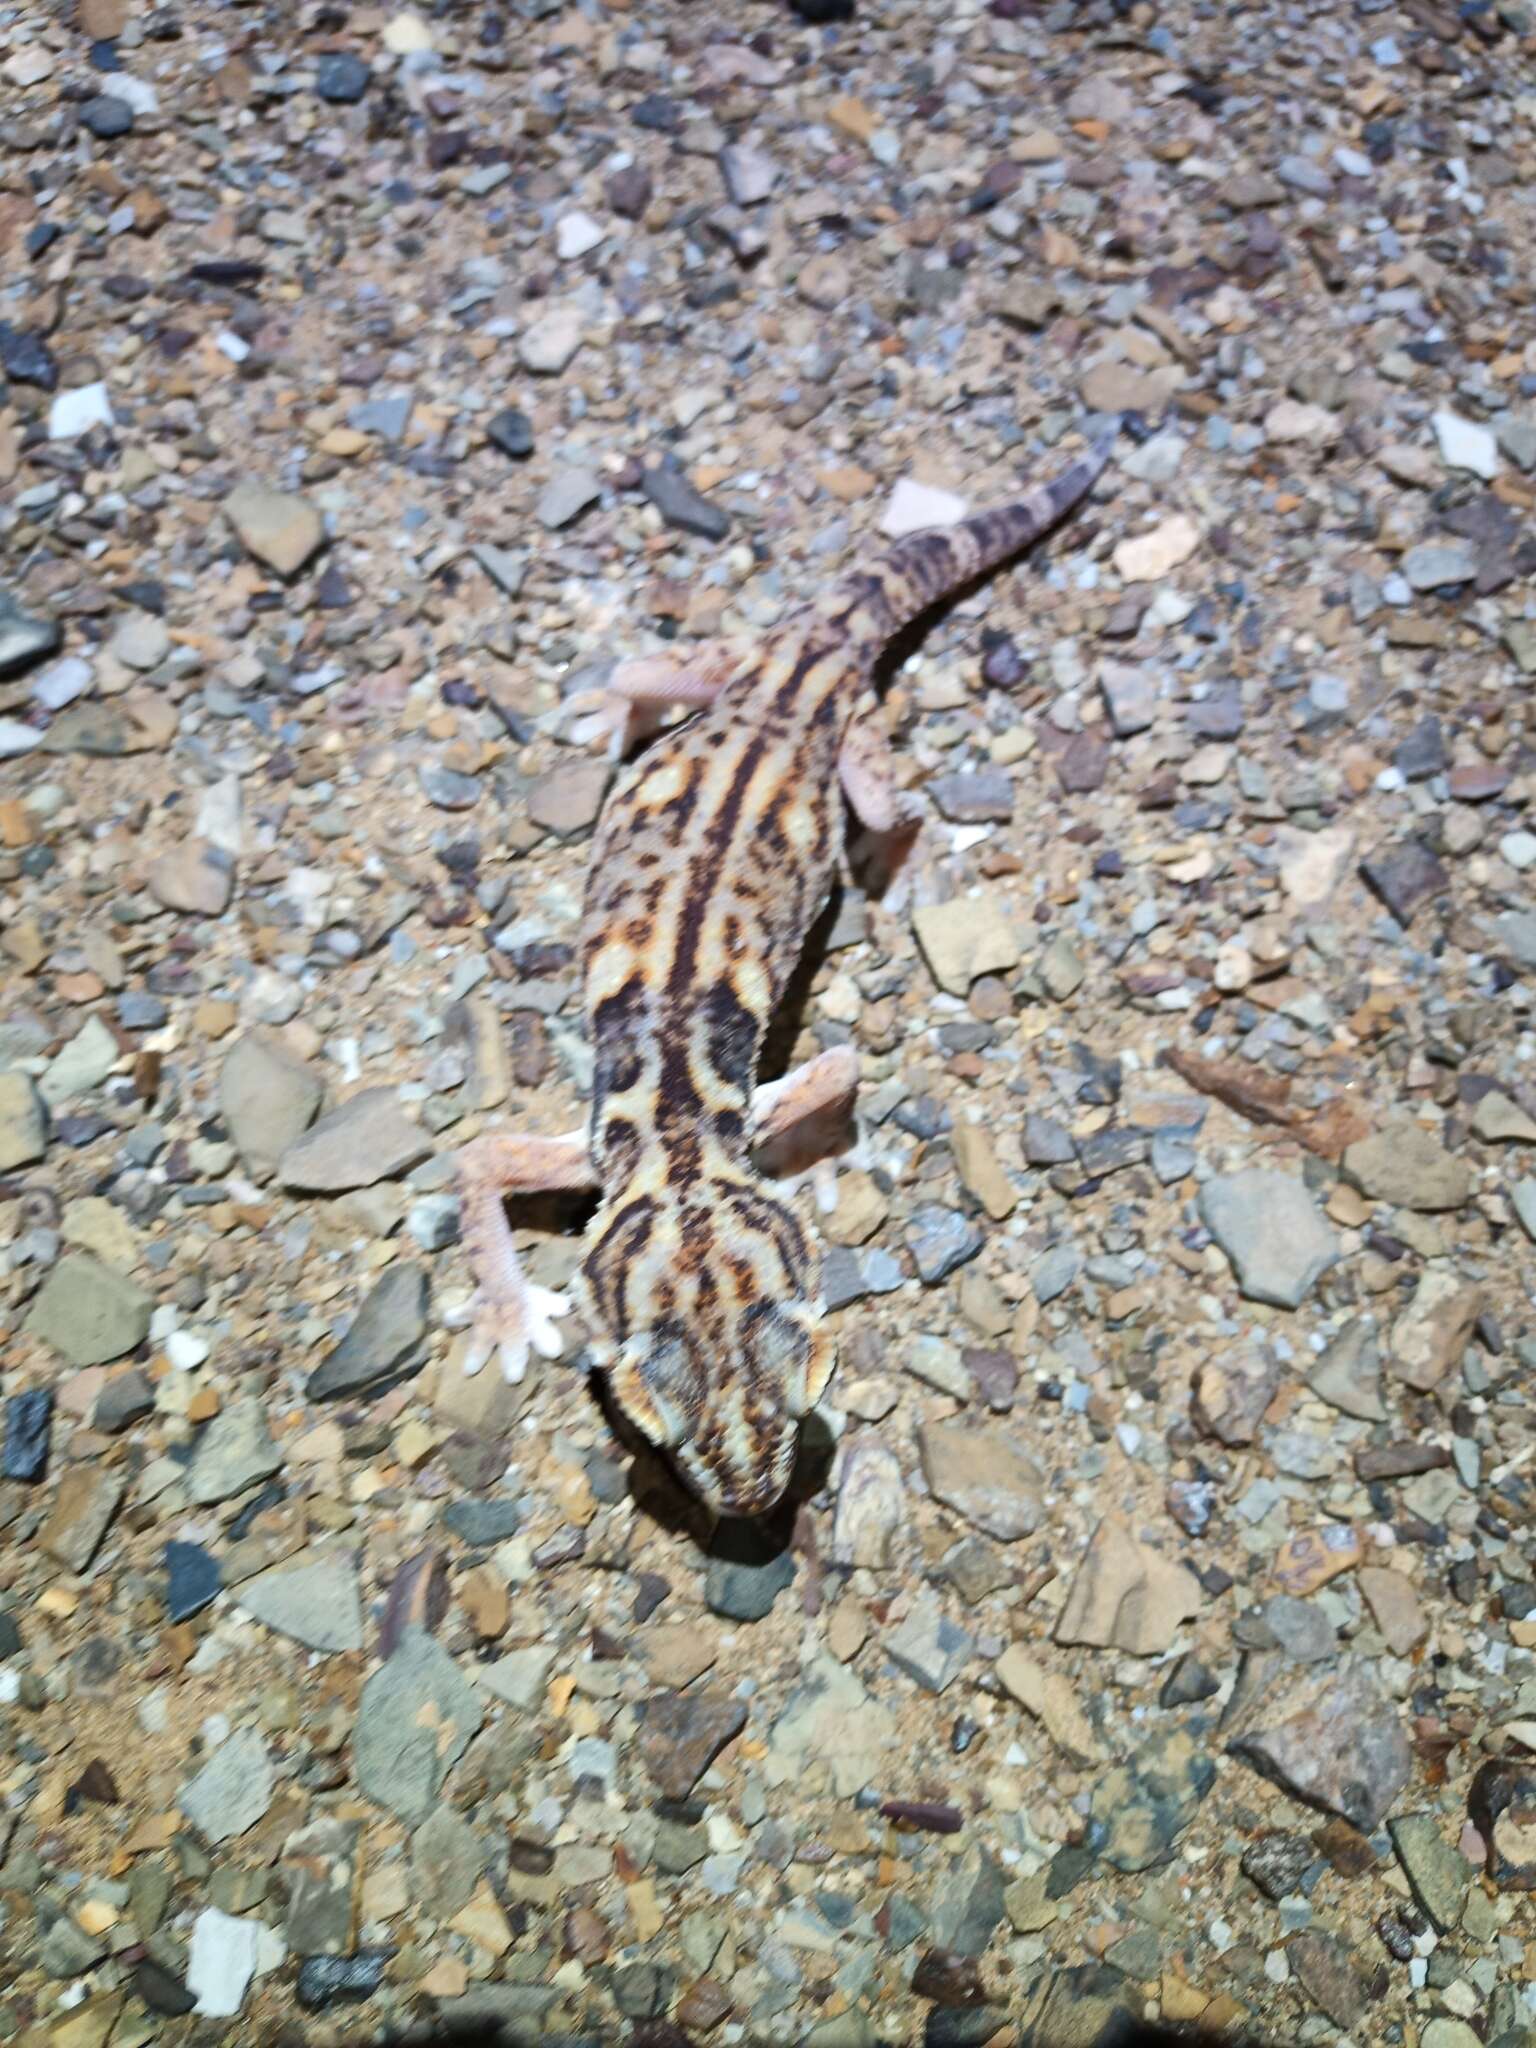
[510, 1315]
[639, 690]
[868, 774]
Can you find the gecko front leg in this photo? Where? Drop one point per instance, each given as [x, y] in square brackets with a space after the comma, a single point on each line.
[786, 1116]
[641, 688]
[511, 1316]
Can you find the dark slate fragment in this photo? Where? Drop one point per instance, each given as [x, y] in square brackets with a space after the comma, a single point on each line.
[983, 797]
[680, 505]
[745, 1590]
[342, 79]
[1403, 876]
[323, 1980]
[27, 1419]
[26, 358]
[681, 1734]
[160, 1991]
[229, 271]
[480, 1523]
[107, 117]
[193, 1577]
[511, 431]
[629, 192]
[1422, 753]
[385, 1334]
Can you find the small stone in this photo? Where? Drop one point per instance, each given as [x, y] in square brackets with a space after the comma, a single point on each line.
[194, 877]
[1131, 696]
[512, 432]
[160, 1991]
[386, 1335]
[1499, 1121]
[916, 508]
[24, 1452]
[547, 346]
[1312, 1557]
[1466, 445]
[141, 641]
[1304, 174]
[1435, 1328]
[1289, 420]
[233, 1452]
[1139, 1808]
[224, 1955]
[681, 505]
[107, 117]
[327, 1980]
[1502, 1807]
[79, 1065]
[314, 1601]
[749, 174]
[1325, 1735]
[1269, 1228]
[342, 78]
[1150, 556]
[364, 1140]
[745, 1589]
[1440, 565]
[414, 1722]
[1230, 1394]
[78, 411]
[1394, 1607]
[268, 1098]
[1404, 876]
[568, 800]
[941, 1240]
[233, 1789]
[1438, 1873]
[1049, 1696]
[1331, 1975]
[871, 1504]
[566, 496]
[986, 1477]
[1348, 1374]
[966, 938]
[681, 1734]
[89, 1312]
[279, 529]
[86, 1500]
[23, 639]
[1277, 1862]
[577, 235]
[481, 1523]
[323, 1866]
[193, 1577]
[26, 357]
[1407, 1166]
[1127, 1596]
[929, 1647]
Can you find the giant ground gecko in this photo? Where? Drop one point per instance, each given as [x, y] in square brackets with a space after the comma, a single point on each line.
[713, 858]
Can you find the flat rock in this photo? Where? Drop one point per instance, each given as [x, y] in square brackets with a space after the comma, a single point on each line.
[448, 1859]
[1436, 1870]
[1432, 1332]
[314, 1600]
[568, 799]
[386, 1333]
[1273, 1233]
[233, 1452]
[193, 877]
[87, 1498]
[1139, 1808]
[965, 938]
[1127, 1596]
[681, 504]
[986, 1477]
[278, 528]
[89, 1312]
[417, 1714]
[1331, 1974]
[24, 638]
[1327, 1736]
[23, 1121]
[1465, 445]
[233, 1789]
[832, 1719]
[1406, 1165]
[1394, 1606]
[322, 1864]
[1347, 1375]
[1405, 876]
[366, 1139]
[224, 1955]
[1148, 557]
[80, 1064]
[681, 1734]
[268, 1098]
[548, 344]
[1228, 1395]
[1050, 1697]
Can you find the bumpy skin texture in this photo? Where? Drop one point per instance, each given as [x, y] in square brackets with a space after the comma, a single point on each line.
[714, 857]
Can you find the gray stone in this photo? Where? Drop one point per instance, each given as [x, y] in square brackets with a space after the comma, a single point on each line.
[279, 529]
[1325, 1734]
[1277, 1862]
[315, 1601]
[1331, 1975]
[23, 1122]
[940, 1240]
[385, 1336]
[233, 1452]
[1440, 564]
[81, 1064]
[566, 496]
[749, 174]
[23, 639]
[268, 1098]
[1438, 1872]
[929, 1647]
[142, 641]
[64, 1949]
[1404, 876]
[985, 1476]
[1139, 1808]
[681, 506]
[447, 1858]
[1407, 1166]
[364, 1140]
[323, 1866]
[745, 1589]
[415, 1720]
[90, 1312]
[1054, 1271]
[1130, 694]
[233, 1789]
[1268, 1226]
[1348, 1374]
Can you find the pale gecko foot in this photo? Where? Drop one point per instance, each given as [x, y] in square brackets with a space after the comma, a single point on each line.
[510, 1327]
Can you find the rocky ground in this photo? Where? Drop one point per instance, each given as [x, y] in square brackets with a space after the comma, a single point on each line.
[1154, 1632]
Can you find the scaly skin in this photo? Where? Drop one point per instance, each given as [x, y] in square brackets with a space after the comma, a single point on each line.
[714, 856]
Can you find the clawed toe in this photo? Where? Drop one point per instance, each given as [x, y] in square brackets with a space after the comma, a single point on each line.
[510, 1331]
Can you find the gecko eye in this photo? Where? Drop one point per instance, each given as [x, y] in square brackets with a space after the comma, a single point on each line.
[777, 1348]
[654, 1383]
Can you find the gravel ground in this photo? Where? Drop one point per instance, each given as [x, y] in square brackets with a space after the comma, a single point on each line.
[1153, 1629]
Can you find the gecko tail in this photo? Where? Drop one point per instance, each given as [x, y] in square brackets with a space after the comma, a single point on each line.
[923, 568]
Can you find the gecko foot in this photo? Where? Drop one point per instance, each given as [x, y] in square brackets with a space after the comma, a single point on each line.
[510, 1327]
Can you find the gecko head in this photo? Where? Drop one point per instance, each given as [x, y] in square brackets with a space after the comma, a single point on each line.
[722, 1352]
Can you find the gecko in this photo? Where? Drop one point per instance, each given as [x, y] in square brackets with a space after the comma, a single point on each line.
[713, 857]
